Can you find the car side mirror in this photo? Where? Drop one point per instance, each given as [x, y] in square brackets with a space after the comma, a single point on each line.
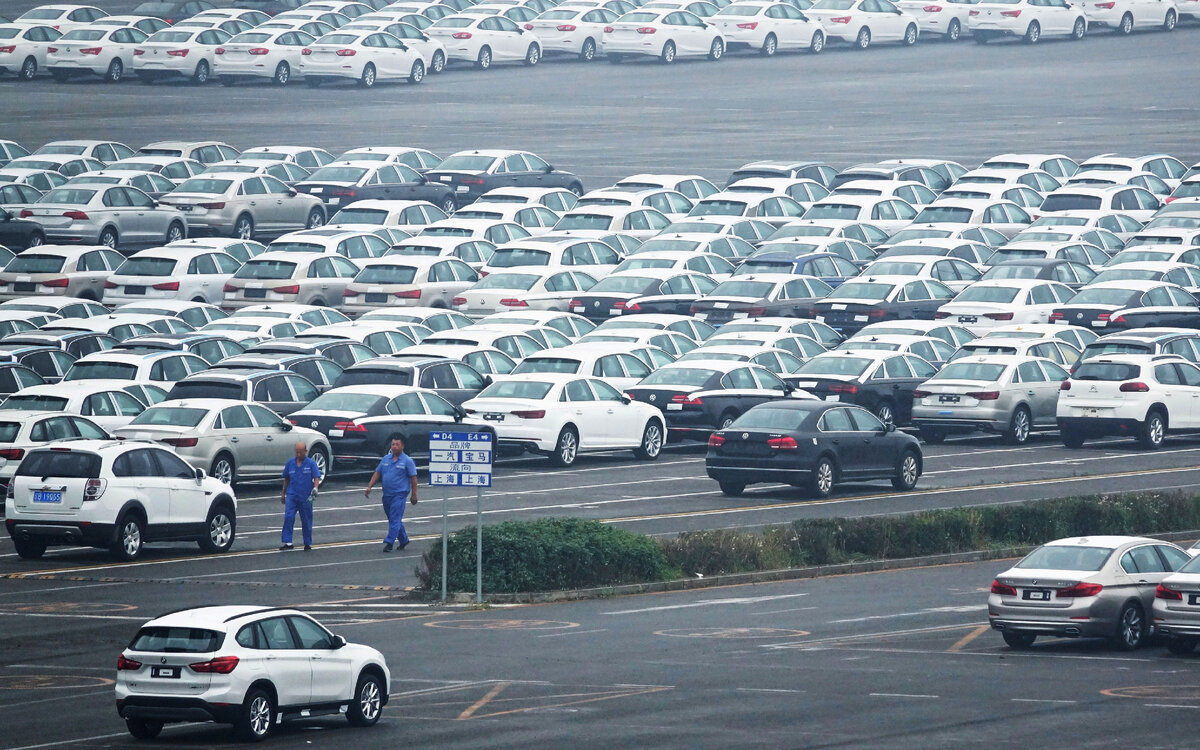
[788, 389]
[459, 414]
[548, 169]
[626, 400]
[292, 192]
[487, 380]
[337, 642]
[200, 475]
[285, 426]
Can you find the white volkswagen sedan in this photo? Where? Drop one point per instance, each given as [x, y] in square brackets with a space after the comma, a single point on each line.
[863, 22]
[665, 34]
[366, 57]
[769, 28]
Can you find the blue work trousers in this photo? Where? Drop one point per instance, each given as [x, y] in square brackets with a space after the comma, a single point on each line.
[393, 506]
[304, 508]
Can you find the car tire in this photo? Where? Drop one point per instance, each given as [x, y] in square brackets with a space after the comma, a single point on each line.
[312, 82]
[954, 30]
[243, 227]
[449, 205]
[824, 474]
[116, 70]
[220, 529]
[726, 419]
[1079, 30]
[566, 448]
[175, 232]
[316, 218]
[227, 81]
[932, 435]
[1170, 21]
[131, 537]
[1033, 33]
[1125, 27]
[1181, 646]
[613, 58]
[1132, 630]
[283, 74]
[438, 63]
[1073, 439]
[1153, 430]
[717, 50]
[60, 76]
[886, 412]
[863, 40]
[770, 46]
[484, 61]
[980, 37]
[818, 42]
[1017, 639]
[29, 549]
[668, 53]
[142, 729]
[731, 489]
[576, 188]
[417, 74]
[256, 716]
[29, 69]
[109, 238]
[908, 471]
[321, 458]
[367, 79]
[533, 55]
[587, 53]
[367, 705]
[37, 239]
[1019, 424]
[652, 442]
[910, 35]
[223, 469]
[202, 73]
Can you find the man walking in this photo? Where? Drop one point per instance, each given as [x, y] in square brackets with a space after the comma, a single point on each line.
[399, 475]
[301, 477]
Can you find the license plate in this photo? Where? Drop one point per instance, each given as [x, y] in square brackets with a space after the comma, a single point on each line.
[446, 179]
[837, 307]
[335, 433]
[135, 290]
[806, 384]
[1099, 323]
[376, 298]
[860, 318]
[256, 293]
[832, 397]
[166, 673]
[720, 305]
[18, 287]
[1194, 599]
[948, 399]
[1037, 595]
[494, 417]
[1062, 323]
[463, 188]
[674, 407]
[967, 319]
[185, 207]
[43, 496]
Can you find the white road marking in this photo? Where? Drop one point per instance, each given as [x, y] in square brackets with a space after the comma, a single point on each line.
[573, 632]
[1167, 705]
[1104, 457]
[1039, 700]
[919, 613]
[72, 741]
[768, 690]
[781, 611]
[706, 603]
[902, 695]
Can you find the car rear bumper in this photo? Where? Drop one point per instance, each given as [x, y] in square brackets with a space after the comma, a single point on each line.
[1100, 425]
[1063, 629]
[739, 471]
[62, 532]
[960, 424]
[1178, 629]
[165, 709]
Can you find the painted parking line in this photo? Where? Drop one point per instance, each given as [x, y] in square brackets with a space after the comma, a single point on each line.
[706, 603]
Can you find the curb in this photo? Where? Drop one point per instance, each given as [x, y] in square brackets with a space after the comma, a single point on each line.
[762, 576]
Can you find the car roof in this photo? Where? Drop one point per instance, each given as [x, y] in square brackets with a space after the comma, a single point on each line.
[1109, 542]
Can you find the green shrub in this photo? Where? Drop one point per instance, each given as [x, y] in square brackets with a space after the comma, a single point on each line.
[722, 551]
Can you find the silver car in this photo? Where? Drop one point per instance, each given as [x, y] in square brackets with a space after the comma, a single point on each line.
[244, 205]
[1008, 395]
[303, 278]
[59, 271]
[1089, 587]
[106, 215]
[1177, 606]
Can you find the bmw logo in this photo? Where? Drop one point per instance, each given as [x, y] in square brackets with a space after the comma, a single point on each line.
[164, 660]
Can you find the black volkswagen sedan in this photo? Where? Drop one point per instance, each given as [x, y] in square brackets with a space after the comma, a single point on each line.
[473, 173]
[1120, 305]
[882, 382]
[19, 234]
[864, 300]
[811, 444]
[342, 183]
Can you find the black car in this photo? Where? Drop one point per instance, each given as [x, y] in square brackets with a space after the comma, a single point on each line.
[15, 376]
[1069, 272]
[473, 173]
[173, 11]
[361, 420]
[341, 183]
[776, 295]
[318, 369]
[49, 362]
[1121, 305]
[452, 380]
[282, 392]
[811, 444]
[697, 397]
[342, 351]
[75, 343]
[613, 294]
[880, 381]
[210, 347]
[19, 234]
[865, 300]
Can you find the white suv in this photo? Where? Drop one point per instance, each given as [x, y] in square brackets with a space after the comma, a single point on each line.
[252, 667]
[106, 493]
[1136, 395]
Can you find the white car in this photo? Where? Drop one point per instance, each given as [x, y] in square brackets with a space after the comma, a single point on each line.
[573, 31]
[536, 219]
[639, 222]
[1004, 216]
[106, 403]
[23, 49]
[250, 666]
[610, 362]
[590, 256]
[562, 415]
[473, 252]
[62, 17]
[156, 366]
[665, 34]
[1029, 20]
[768, 28]
[483, 40]
[1135, 201]
[414, 281]
[947, 18]
[1122, 16]
[273, 54]
[198, 274]
[863, 22]
[888, 214]
[366, 57]
[98, 51]
[537, 288]
[21, 431]
[178, 53]
[955, 273]
[986, 305]
[431, 51]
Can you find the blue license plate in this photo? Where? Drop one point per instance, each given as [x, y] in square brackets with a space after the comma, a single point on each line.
[41, 496]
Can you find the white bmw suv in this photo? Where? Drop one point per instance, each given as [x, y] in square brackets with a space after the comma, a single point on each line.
[252, 667]
[1142, 396]
[118, 495]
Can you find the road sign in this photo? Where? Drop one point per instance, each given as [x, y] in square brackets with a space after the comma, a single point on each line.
[460, 459]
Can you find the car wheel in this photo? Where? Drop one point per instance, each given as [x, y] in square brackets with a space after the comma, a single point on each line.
[367, 705]
[227, 80]
[717, 50]
[1125, 28]
[566, 449]
[418, 72]
[727, 418]
[1170, 21]
[316, 218]
[954, 30]
[29, 549]
[1016, 639]
[255, 718]
[576, 188]
[367, 79]
[131, 534]
[932, 436]
[652, 442]
[731, 489]
[1018, 427]
[818, 42]
[174, 232]
[533, 55]
[223, 469]
[1131, 627]
[863, 40]
[114, 72]
[613, 57]
[908, 471]
[668, 53]
[220, 528]
[201, 74]
[1079, 29]
[484, 61]
[770, 46]
[821, 481]
[980, 37]
[910, 35]
[1181, 646]
[28, 69]
[449, 205]
[142, 729]
[283, 74]
[60, 76]
[1072, 438]
[1153, 430]
[321, 459]
[109, 238]
[438, 63]
[312, 82]
[588, 52]
[886, 412]
[37, 239]
[243, 228]
[1033, 33]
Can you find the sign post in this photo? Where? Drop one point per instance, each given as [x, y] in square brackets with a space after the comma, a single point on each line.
[462, 459]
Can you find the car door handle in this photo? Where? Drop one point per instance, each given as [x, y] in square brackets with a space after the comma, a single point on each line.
[270, 438]
[1029, 392]
[836, 442]
[233, 439]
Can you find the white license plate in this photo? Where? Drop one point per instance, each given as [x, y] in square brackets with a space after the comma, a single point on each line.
[837, 307]
[860, 318]
[446, 179]
[807, 384]
[336, 433]
[1099, 323]
[720, 305]
[833, 398]
[318, 191]
[674, 407]
[741, 315]
[1062, 323]
[463, 189]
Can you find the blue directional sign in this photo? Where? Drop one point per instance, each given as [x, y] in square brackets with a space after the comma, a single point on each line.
[460, 459]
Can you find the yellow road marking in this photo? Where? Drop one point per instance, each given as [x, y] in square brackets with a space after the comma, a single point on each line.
[961, 643]
[484, 700]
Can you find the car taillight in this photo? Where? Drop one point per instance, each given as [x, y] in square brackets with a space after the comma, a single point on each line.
[457, 301]
[876, 313]
[306, 52]
[984, 395]
[12, 454]
[840, 19]
[1079, 590]
[93, 489]
[609, 29]
[939, 315]
[1003, 589]
[126, 664]
[751, 25]
[230, 288]
[843, 388]
[1134, 387]
[998, 316]
[91, 50]
[52, 50]
[136, 52]
[212, 206]
[345, 53]
[292, 289]
[529, 27]
[566, 27]
[179, 52]
[1106, 6]
[349, 427]
[484, 274]
[472, 180]
[219, 51]
[1056, 316]
[461, 35]
[973, 12]
[110, 285]
[410, 294]
[182, 442]
[574, 303]
[646, 30]
[56, 283]
[536, 414]
[1011, 13]
[1066, 386]
[786, 443]
[514, 302]
[219, 665]
[349, 293]
[1162, 592]
[1104, 316]
[167, 286]
[681, 398]
[932, 9]
[25, 213]
[260, 51]
[343, 192]
[715, 440]
[922, 394]
[76, 215]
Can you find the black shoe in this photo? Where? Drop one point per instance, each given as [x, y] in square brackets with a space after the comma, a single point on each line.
[401, 546]
[287, 548]
[308, 548]
[387, 547]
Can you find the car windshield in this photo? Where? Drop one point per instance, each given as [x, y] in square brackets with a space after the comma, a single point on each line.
[248, 38]
[622, 285]
[176, 640]
[833, 5]
[533, 390]
[381, 274]
[102, 371]
[522, 281]
[266, 269]
[521, 256]
[1101, 296]
[741, 10]
[1106, 371]
[754, 289]
[667, 244]
[31, 402]
[1071, 202]
[61, 464]
[986, 373]
[28, 262]
[761, 418]
[1127, 274]
[893, 268]
[548, 364]
[1150, 239]
[147, 267]
[336, 174]
[833, 211]
[78, 35]
[359, 403]
[77, 196]
[718, 207]
[41, 14]
[1065, 557]
[204, 185]
[584, 221]
[360, 216]
[998, 294]
[463, 162]
[1139, 256]
[174, 416]
[688, 376]
[821, 365]
[172, 37]
[908, 235]
[943, 215]
[863, 290]
[1014, 271]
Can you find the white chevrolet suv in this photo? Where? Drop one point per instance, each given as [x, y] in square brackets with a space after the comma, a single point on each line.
[1135, 395]
[118, 495]
[252, 667]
